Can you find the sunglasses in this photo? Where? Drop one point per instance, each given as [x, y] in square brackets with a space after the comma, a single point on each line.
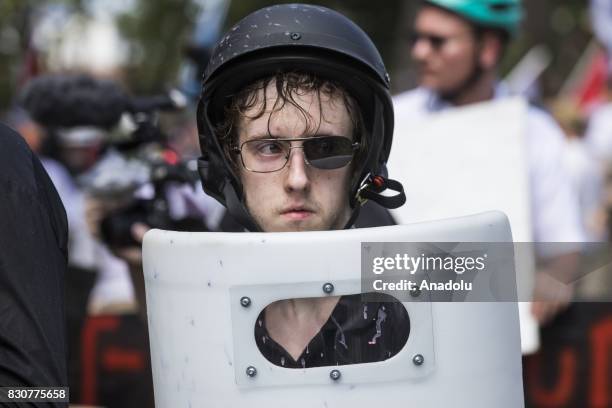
[272, 154]
[436, 42]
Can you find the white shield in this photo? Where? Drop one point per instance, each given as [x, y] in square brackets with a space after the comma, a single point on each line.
[465, 161]
[202, 339]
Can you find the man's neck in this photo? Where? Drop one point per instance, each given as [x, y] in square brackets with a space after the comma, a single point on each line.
[481, 91]
[293, 323]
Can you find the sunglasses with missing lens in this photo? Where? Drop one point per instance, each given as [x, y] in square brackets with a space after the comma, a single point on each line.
[324, 152]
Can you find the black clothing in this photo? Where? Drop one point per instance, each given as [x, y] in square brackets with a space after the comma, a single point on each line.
[374, 215]
[356, 332]
[33, 256]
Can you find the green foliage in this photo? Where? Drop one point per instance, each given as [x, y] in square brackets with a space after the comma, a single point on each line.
[15, 21]
[157, 32]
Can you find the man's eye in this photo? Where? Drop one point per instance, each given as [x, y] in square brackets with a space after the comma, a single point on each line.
[325, 147]
[269, 148]
[437, 42]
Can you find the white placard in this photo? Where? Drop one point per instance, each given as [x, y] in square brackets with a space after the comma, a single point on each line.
[468, 160]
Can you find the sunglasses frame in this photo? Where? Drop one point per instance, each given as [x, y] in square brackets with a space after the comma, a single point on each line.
[436, 42]
[238, 150]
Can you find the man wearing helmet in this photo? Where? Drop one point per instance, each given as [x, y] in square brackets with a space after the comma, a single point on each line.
[328, 47]
[457, 45]
[295, 126]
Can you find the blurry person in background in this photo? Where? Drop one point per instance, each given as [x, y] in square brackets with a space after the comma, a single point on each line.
[598, 136]
[118, 177]
[601, 20]
[586, 177]
[583, 171]
[599, 131]
[33, 256]
[457, 46]
[77, 114]
[20, 120]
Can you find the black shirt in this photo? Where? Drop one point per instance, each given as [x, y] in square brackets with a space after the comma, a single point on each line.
[33, 242]
[356, 332]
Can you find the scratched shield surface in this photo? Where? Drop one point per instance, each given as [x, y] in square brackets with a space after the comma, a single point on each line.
[203, 349]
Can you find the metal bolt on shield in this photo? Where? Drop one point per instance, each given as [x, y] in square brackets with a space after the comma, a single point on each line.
[418, 359]
[335, 375]
[251, 371]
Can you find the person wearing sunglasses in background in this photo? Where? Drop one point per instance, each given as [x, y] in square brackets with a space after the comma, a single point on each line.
[295, 125]
[457, 46]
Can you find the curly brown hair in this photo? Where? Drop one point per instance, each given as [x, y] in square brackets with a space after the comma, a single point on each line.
[288, 85]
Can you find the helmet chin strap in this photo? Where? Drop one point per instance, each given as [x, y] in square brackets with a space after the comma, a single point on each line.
[375, 181]
[238, 210]
[353, 217]
[371, 188]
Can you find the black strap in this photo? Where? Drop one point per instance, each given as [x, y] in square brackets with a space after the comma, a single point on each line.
[353, 217]
[372, 191]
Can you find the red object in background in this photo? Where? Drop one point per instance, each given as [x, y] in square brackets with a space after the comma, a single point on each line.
[558, 393]
[574, 366]
[30, 67]
[591, 90]
[115, 363]
[93, 328]
[170, 157]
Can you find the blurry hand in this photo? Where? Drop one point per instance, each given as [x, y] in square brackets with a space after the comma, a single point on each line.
[133, 255]
[551, 297]
[96, 209]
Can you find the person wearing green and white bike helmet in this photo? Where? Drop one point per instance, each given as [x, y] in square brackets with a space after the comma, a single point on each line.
[457, 46]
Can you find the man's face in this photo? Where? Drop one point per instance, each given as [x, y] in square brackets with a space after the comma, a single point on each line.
[444, 48]
[298, 197]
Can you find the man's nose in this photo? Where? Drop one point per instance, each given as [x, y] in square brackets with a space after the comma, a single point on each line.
[420, 49]
[297, 172]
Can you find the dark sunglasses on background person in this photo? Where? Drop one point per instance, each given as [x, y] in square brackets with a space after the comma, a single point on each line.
[436, 42]
[272, 154]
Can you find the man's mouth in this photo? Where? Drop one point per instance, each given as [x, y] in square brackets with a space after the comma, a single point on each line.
[426, 70]
[297, 213]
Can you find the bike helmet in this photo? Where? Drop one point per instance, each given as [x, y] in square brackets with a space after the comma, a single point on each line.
[505, 15]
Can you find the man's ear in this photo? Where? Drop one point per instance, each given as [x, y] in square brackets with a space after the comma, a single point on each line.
[490, 50]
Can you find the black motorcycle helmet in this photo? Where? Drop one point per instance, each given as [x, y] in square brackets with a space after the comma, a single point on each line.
[306, 38]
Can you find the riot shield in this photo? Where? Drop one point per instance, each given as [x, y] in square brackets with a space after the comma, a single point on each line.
[206, 290]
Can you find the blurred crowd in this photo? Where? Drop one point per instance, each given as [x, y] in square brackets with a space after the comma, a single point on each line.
[123, 164]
